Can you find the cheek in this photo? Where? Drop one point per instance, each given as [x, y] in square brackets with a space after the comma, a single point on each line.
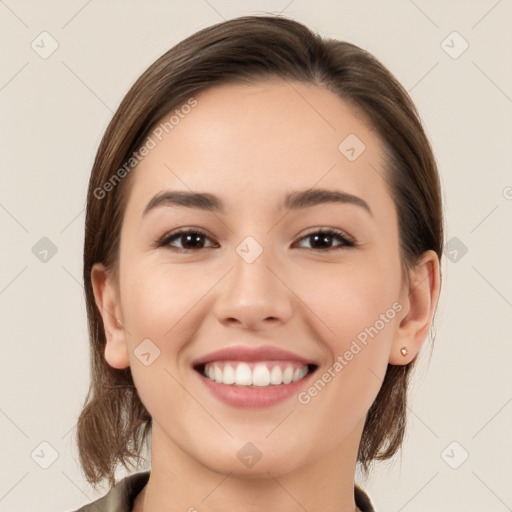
[362, 316]
[157, 297]
[165, 304]
[158, 304]
[360, 310]
[350, 299]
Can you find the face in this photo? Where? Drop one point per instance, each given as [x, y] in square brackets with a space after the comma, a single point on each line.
[280, 277]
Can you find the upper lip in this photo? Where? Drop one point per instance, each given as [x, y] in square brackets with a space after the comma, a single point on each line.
[241, 353]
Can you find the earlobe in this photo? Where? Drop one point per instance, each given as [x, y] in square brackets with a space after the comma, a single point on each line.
[420, 302]
[108, 303]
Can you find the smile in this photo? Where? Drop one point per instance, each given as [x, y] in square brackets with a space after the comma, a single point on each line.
[253, 377]
[257, 374]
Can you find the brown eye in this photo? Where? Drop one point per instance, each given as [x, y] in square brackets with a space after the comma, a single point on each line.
[323, 239]
[188, 240]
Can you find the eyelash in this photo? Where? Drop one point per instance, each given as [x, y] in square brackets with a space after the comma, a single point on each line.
[346, 240]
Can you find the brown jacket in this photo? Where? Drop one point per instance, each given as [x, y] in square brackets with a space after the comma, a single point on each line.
[120, 498]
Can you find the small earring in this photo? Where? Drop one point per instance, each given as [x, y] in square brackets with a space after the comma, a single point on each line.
[404, 351]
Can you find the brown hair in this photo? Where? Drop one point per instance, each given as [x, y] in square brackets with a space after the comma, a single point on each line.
[114, 423]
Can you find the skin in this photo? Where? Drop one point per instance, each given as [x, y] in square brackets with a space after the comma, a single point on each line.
[250, 145]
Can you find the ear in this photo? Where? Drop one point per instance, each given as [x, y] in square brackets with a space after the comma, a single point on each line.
[107, 299]
[419, 303]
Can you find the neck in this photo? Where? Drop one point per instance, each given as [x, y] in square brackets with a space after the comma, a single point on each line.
[179, 482]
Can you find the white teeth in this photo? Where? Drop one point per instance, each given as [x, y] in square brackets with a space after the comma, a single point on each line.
[260, 375]
[241, 374]
[217, 374]
[299, 373]
[228, 375]
[276, 375]
[287, 375]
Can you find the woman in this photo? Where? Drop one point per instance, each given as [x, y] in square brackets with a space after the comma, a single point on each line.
[261, 266]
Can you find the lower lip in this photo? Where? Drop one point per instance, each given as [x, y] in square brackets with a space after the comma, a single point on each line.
[252, 397]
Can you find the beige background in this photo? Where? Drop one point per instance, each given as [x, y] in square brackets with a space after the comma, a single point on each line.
[53, 113]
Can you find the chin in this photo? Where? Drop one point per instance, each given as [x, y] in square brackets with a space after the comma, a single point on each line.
[248, 462]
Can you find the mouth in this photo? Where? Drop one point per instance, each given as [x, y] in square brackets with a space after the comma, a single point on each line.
[253, 377]
[259, 374]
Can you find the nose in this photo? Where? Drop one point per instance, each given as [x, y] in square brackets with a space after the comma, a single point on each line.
[254, 295]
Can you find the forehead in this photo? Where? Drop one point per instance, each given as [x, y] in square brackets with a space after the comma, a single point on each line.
[249, 143]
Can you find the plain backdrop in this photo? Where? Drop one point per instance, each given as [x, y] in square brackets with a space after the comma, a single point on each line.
[65, 68]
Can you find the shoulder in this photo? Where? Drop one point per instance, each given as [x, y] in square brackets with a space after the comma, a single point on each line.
[120, 497]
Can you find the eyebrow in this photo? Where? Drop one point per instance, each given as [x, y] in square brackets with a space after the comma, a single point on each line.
[293, 201]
